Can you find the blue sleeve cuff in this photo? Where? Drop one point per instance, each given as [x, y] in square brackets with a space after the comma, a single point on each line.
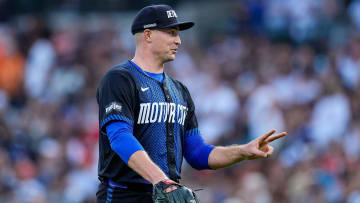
[122, 140]
[196, 151]
[115, 117]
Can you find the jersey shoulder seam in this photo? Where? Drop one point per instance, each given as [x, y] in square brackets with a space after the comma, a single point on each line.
[120, 70]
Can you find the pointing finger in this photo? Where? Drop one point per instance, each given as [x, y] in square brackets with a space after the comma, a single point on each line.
[275, 137]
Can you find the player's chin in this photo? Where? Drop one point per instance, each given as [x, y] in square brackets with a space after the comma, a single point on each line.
[170, 58]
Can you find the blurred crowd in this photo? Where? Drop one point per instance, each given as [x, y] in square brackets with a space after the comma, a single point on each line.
[292, 66]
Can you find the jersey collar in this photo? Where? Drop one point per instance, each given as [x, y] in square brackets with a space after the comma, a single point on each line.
[147, 75]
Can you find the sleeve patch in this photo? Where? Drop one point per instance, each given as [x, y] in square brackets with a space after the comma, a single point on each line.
[113, 106]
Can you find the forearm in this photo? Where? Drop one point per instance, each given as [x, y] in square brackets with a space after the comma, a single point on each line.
[131, 152]
[145, 167]
[221, 157]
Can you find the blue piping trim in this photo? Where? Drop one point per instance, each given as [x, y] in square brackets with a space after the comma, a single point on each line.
[115, 117]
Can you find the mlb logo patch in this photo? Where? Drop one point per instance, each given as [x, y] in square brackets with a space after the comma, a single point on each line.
[113, 106]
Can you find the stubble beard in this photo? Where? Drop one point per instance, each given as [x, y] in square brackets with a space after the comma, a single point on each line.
[169, 58]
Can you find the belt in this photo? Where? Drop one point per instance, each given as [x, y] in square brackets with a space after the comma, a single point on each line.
[139, 187]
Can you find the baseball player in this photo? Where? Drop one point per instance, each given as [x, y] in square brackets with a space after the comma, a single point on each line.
[147, 121]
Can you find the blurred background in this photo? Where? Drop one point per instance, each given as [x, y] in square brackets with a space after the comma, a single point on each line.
[250, 65]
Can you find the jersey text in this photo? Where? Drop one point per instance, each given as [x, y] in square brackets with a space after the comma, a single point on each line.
[162, 112]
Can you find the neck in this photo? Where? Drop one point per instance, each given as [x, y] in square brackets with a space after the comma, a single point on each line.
[148, 64]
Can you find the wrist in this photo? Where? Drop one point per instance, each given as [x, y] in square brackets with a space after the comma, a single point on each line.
[241, 153]
[158, 179]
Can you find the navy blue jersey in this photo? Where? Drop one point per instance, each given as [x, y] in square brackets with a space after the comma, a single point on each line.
[160, 113]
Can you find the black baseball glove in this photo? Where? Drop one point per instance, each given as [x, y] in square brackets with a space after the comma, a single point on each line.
[181, 194]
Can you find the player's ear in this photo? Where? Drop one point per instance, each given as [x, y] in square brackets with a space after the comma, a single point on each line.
[147, 34]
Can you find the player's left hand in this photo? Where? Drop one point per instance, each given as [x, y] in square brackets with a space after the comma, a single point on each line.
[181, 194]
[260, 148]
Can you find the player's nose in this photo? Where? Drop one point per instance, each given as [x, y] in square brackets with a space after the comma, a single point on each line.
[177, 40]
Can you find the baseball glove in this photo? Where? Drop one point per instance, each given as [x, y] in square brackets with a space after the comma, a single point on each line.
[181, 194]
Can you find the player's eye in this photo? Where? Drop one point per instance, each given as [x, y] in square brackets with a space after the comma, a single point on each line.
[173, 33]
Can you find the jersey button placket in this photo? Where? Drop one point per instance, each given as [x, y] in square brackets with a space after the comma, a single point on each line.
[170, 143]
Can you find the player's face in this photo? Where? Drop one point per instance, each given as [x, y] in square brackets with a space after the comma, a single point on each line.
[166, 43]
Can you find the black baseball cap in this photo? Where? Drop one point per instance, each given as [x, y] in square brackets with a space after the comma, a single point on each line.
[157, 17]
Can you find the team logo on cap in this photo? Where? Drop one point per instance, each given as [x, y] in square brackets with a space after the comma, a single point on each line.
[171, 14]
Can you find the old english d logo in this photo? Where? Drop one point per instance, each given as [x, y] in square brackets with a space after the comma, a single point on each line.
[171, 14]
